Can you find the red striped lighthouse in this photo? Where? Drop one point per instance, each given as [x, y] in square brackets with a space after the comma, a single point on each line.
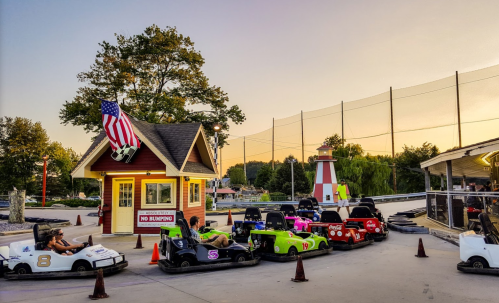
[325, 176]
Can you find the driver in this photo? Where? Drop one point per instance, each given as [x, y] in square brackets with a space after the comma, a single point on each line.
[62, 245]
[220, 241]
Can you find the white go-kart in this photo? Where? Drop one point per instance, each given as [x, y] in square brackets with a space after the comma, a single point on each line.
[480, 252]
[27, 259]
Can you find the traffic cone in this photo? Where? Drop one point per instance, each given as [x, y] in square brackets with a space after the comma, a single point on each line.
[421, 252]
[229, 220]
[78, 221]
[99, 290]
[139, 243]
[155, 255]
[300, 273]
[90, 241]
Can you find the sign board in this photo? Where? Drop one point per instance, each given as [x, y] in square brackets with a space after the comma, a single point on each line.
[155, 218]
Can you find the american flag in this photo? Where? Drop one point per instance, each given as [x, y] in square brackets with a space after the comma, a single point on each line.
[118, 128]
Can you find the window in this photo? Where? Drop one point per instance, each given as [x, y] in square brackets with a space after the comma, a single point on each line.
[195, 193]
[328, 197]
[158, 193]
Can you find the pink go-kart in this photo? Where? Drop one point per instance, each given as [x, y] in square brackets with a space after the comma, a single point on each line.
[292, 219]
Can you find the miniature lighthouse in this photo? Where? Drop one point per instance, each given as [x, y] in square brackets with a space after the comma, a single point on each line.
[325, 176]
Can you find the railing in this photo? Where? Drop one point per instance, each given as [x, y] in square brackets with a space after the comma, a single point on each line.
[460, 209]
[400, 196]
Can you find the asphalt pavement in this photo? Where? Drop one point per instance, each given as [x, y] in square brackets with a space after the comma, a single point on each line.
[386, 271]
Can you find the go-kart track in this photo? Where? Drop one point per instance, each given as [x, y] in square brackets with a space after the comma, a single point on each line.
[384, 271]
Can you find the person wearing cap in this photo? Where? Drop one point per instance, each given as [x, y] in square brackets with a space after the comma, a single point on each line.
[341, 191]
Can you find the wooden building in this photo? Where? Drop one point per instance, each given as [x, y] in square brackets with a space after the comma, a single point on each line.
[167, 173]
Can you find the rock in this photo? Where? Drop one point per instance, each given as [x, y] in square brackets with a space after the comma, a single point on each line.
[58, 205]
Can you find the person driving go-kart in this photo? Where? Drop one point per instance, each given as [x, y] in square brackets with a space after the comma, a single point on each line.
[63, 246]
[219, 241]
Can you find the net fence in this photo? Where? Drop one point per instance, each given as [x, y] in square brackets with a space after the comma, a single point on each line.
[422, 113]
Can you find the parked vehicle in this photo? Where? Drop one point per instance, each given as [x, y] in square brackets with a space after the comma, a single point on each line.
[252, 220]
[306, 210]
[292, 219]
[95, 198]
[364, 218]
[316, 205]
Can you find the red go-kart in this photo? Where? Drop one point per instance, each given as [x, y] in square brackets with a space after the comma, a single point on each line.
[364, 218]
[341, 236]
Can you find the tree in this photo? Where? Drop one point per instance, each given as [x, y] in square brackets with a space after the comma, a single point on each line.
[22, 145]
[155, 76]
[334, 141]
[263, 176]
[252, 168]
[61, 162]
[236, 176]
[410, 176]
[281, 181]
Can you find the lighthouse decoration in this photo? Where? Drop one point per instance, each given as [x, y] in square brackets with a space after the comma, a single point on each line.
[325, 176]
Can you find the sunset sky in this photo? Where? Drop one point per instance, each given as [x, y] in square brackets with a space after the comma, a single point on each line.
[273, 58]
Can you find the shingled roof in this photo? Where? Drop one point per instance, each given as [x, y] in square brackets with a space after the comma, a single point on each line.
[174, 141]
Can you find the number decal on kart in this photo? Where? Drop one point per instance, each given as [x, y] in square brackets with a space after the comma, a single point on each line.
[44, 261]
[357, 236]
[305, 245]
[212, 254]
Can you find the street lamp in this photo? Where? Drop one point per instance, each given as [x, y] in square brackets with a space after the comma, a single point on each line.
[45, 158]
[292, 161]
[217, 127]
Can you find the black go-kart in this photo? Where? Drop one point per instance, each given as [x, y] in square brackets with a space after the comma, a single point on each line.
[187, 255]
[252, 220]
[307, 210]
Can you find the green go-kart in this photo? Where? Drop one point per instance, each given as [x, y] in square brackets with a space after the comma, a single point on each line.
[204, 231]
[279, 243]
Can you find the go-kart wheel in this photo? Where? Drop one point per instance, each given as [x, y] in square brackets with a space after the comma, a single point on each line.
[350, 241]
[81, 265]
[186, 261]
[240, 258]
[368, 237]
[323, 246]
[22, 269]
[479, 262]
[292, 251]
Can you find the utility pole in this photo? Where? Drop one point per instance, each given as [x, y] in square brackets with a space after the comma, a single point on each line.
[244, 147]
[458, 111]
[393, 144]
[302, 144]
[292, 162]
[342, 128]
[273, 124]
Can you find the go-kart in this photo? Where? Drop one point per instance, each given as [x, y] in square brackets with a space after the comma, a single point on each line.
[186, 254]
[340, 236]
[369, 202]
[204, 231]
[28, 260]
[279, 243]
[252, 220]
[316, 205]
[480, 252]
[365, 219]
[292, 220]
[306, 210]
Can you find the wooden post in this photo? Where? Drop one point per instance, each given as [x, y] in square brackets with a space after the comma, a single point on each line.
[393, 144]
[273, 125]
[302, 144]
[458, 111]
[16, 209]
[342, 127]
[427, 179]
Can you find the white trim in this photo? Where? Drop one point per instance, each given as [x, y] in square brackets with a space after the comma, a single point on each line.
[172, 205]
[114, 207]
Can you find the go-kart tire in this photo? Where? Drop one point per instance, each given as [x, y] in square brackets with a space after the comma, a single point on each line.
[186, 261]
[292, 251]
[80, 266]
[479, 262]
[22, 269]
[368, 237]
[240, 258]
[323, 246]
[350, 241]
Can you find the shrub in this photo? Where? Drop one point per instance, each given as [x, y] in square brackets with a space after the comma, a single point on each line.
[71, 203]
[265, 198]
[209, 202]
[277, 196]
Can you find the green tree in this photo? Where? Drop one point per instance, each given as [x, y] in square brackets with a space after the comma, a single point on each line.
[410, 176]
[264, 176]
[22, 145]
[334, 141]
[155, 76]
[252, 168]
[236, 176]
[61, 162]
[281, 181]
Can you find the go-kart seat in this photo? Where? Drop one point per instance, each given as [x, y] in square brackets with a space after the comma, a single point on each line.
[253, 214]
[368, 200]
[361, 212]
[180, 214]
[288, 210]
[275, 220]
[305, 204]
[330, 216]
[489, 230]
[370, 205]
[186, 233]
[40, 231]
[314, 200]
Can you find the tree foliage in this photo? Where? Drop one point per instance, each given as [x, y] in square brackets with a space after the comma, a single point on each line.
[263, 176]
[155, 76]
[236, 176]
[281, 180]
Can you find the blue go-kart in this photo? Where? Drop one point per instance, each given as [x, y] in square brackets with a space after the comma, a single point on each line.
[252, 221]
[306, 209]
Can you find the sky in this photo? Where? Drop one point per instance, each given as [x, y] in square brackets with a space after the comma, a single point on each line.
[273, 58]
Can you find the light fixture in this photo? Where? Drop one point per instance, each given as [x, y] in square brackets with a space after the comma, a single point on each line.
[484, 158]
[45, 158]
[148, 173]
[103, 173]
[217, 127]
[186, 179]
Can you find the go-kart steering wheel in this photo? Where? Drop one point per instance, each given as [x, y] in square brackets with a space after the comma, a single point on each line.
[201, 229]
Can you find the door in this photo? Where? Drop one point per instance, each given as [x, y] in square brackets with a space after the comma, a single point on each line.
[123, 206]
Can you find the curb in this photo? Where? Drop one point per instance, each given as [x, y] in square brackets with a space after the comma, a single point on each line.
[15, 232]
[446, 236]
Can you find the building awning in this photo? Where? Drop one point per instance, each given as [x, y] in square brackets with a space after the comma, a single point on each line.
[471, 161]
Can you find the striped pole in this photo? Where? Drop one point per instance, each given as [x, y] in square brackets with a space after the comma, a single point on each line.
[215, 182]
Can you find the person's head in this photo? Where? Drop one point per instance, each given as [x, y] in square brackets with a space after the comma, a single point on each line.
[194, 221]
[342, 181]
[49, 240]
[489, 183]
[58, 233]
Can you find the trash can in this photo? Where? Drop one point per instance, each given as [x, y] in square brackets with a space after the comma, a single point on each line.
[458, 212]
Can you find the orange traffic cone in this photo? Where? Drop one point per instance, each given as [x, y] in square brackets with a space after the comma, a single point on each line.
[78, 221]
[99, 290]
[139, 243]
[300, 272]
[229, 220]
[90, 241]
[155, 255]
[421, 252]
